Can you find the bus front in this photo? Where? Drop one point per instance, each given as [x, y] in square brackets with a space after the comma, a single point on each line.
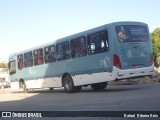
[133, 56]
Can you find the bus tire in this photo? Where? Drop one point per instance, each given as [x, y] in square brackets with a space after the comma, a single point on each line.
[99, 86]
[69, 85]
[24, 87]
[78, 88]
[51, 89]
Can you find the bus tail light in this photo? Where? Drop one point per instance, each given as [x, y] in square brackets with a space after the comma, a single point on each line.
[152, 58]
[116, 61]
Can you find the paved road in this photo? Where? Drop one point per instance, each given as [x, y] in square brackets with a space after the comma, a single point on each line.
[144, 97]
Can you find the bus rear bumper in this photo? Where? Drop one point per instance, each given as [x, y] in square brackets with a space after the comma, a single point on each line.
[130, 73]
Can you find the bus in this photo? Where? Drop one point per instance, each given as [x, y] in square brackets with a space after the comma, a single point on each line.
[114, 51]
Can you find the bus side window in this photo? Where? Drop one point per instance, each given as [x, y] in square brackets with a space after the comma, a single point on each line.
[38, 57]
[78, 47]
[50, 55]
[28, 59]
[98, 42]
[63, 51]
[20, 61]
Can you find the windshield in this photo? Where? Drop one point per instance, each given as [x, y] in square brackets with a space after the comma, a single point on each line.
[12, 67]
[131, 33]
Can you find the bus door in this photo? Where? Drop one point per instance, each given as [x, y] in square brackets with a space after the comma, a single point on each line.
[134, 46]
[12, 70]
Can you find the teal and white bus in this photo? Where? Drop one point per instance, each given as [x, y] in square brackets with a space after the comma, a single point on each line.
[113, 51]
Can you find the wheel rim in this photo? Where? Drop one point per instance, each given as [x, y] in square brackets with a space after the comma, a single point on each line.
[68, 84]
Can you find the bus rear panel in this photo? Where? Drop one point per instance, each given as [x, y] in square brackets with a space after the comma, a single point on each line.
[135, 55]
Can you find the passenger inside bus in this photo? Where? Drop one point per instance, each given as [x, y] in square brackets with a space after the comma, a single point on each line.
[122, 35]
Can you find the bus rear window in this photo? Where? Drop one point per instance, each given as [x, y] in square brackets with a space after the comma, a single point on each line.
[131, 33]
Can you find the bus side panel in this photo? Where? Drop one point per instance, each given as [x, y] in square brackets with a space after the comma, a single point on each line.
[95, 68]
[87, 79]
[43, 83]
[38, 76]
[92, 69]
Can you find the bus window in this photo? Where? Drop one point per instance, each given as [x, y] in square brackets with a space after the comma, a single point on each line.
[63, 51]
[20, 61]
[78, 47]
[28, 60]
[12, 67]
[38, 57]
[50, 55]
[98, 42]
[131, 33]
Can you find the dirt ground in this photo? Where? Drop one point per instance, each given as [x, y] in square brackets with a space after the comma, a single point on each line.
[134, 81]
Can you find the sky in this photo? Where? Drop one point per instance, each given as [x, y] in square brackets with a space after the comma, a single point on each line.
[28, 23]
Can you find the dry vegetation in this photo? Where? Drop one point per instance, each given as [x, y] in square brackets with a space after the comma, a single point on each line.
[134, 81]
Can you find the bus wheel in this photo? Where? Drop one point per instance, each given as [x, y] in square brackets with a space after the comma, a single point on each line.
[99, 86]
[51, 89]
[78, 88]
[69, 85]
[24, 87]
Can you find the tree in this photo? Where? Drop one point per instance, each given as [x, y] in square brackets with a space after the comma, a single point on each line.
[3, 65]
[155, 36]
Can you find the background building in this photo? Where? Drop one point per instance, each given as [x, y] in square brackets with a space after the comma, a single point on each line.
[3, 70]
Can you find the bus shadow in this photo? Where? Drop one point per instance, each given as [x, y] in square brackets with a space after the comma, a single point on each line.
[109, 89]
